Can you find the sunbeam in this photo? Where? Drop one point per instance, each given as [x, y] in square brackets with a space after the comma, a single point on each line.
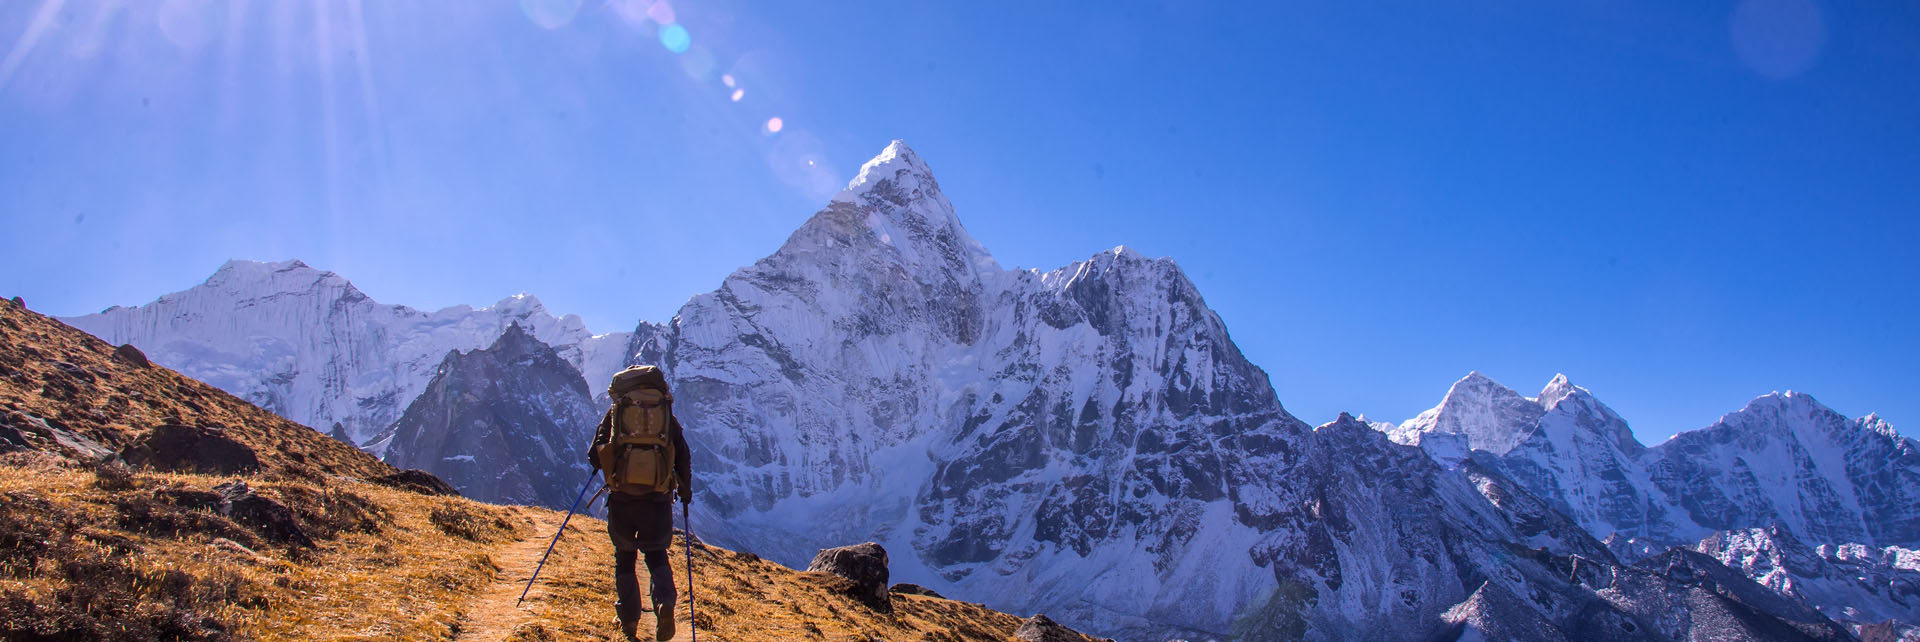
[42, 21]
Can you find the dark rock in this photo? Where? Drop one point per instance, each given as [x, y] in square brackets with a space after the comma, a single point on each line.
[73, 371]
[418, 481]
[131, 356]
[1041, 628]
[204, 450]
[20, 303]
[25, 429]
[339, 433]
[905, 588]
[272, 519]
[864, 564]
[11, 439]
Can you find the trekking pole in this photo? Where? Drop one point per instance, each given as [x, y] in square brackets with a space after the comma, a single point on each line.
[692, 627]
[556, 536]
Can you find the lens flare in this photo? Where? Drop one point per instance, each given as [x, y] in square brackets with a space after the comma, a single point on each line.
[726, 79]
[738, 94]
[661, 12]
[675, 38]
[550, 14]
[698, 62]
[774, 125]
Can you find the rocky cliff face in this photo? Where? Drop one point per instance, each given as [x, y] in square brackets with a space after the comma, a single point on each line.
[1851, 582]
[506, 424]
[307, 345]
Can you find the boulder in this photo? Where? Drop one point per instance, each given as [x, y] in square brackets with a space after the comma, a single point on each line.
[1041, 628]
[865, 565]
[905, 588]
[191, 449]
[271, 519]
[418, 481]
[130, 355]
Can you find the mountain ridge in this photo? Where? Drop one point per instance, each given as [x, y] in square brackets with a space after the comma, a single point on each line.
[1090, 440]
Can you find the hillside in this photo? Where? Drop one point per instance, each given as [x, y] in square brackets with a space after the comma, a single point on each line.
[316, 540]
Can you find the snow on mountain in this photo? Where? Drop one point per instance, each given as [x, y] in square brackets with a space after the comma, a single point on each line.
[1477, 414]
[1782, 471]
[307, 345]
[1786, 459]
[1085, 441]
[1852, 583]
[1783, 459]
[505, 424]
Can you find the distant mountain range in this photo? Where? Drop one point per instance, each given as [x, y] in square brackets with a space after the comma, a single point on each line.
[1090, 442]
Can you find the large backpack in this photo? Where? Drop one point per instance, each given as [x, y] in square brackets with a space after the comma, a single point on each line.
[638, 459]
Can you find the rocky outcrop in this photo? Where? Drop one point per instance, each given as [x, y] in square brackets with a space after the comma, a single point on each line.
[417, 481]
[508, 424]
[1041, 628]
[865, 565]
[271, 519]
[191, 449]
[130, 355]
[21, 429]
[909, 588]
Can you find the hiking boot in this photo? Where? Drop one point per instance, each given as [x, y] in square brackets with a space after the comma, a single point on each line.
[629, 612]
[631, 629]
[663, 624]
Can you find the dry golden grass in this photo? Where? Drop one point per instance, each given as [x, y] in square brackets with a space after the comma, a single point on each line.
[741, 598]
[115, 403]
[421, 568]
[396, 571]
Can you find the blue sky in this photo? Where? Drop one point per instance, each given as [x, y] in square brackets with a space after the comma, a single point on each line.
[1680, 205]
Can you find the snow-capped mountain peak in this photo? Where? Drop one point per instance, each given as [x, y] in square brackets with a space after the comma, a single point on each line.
[1489, 416]
[308, 345]
[1559, 388]
[893, 162]
[268, 278]
[1873, 422]
[902, 210]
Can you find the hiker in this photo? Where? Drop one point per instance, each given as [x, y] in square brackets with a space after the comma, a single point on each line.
[641, 451]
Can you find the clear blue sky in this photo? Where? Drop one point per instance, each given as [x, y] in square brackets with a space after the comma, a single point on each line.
[1682, 205]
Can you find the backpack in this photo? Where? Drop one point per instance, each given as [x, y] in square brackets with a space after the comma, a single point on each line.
[638, 459]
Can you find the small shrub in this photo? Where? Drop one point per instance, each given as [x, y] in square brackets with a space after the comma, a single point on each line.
[532, 632]
[177, 513]
[99, 594]
[112, 475]
[328, 513]
[465, 523]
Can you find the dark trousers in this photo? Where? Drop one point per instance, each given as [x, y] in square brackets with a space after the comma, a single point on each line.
[640, 524]
[627, 583]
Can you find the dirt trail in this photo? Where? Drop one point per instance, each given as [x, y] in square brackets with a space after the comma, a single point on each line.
[491, 615]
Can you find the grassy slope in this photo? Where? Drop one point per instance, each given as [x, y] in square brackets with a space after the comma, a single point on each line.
[91, 551]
